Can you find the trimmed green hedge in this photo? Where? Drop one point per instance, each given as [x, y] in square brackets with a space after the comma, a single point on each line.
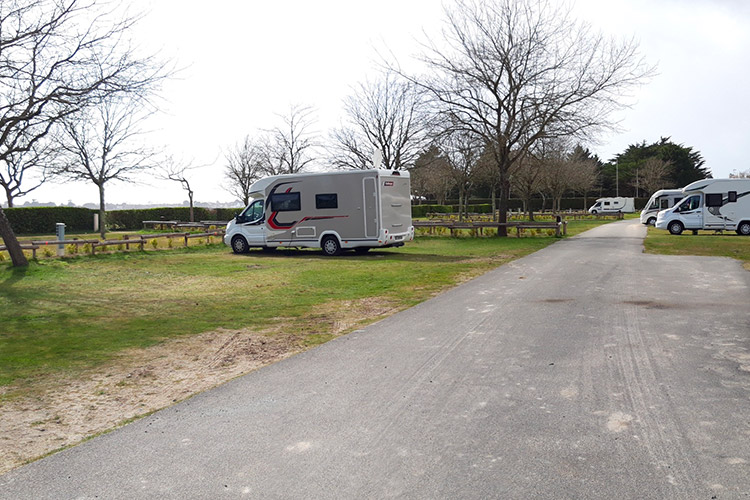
[133, 219]
[42, 220]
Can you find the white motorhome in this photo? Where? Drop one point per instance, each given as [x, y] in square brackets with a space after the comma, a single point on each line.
[718, 204]
[613, 205]
[359, 209]
[660, 200]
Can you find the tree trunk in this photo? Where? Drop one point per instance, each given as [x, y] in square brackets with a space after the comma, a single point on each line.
[503, 215]
[494, 204]
[529, 210]
[192, 216]
[460, 203]
[102, 213]
[11, 242]
[9, 198]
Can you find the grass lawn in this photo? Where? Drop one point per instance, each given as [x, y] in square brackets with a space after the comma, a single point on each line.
[706, 243]
[75, 313]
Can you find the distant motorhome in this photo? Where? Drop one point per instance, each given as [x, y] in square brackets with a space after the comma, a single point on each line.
[718, 204]
[334, 211]
[660, 200]
[613, 205]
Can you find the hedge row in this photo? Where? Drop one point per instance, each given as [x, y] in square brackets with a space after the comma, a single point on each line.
[133, 219]
[42, 220]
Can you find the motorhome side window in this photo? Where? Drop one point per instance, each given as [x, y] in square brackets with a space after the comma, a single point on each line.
[285, 202]
[732, 196]
[326, 201]
[713, 200]
[606, 203]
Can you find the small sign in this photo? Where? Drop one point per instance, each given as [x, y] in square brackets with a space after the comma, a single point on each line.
[388, 183]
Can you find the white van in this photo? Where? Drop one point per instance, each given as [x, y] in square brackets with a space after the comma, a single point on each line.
[613, 205]
[718, 204]
[660, 200]
[357, 209]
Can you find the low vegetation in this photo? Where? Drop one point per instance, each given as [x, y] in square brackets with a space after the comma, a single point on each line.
[706, 243]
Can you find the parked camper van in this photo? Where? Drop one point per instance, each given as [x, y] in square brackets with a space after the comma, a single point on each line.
[719, 204]
[660, 200]
[613, 205]
[334, 211]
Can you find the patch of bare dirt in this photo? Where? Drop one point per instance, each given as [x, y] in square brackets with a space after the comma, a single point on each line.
[52, 414]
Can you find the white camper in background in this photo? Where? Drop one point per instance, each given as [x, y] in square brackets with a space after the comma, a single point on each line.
[660, 200]
[613, 205]
[358, 209]
[718, 204]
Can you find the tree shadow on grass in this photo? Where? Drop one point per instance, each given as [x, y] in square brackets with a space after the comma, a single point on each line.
[16, 274]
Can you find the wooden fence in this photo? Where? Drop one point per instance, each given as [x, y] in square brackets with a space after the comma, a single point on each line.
[126, 241]
[477, 227]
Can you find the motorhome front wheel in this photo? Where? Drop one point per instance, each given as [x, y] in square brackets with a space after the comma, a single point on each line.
[239, 245]
[675, 227]
[744, 228]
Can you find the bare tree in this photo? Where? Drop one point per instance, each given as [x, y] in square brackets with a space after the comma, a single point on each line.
[653, 173]
[740, 174]
[172, 170]
[462, 150]
[103, 143]
[558, 171]
[517, 71]
[385, 115]
[56, 57]
[244, 167]
[38, 159]
[432, 175]
[290, 148]
[584, 174]
[527, 181]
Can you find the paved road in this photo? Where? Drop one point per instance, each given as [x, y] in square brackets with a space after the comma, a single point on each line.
[586, 370]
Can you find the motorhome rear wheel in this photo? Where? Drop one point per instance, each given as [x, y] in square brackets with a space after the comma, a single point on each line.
[676, 227]
[331, 246]
[744, 228]
[239, 245]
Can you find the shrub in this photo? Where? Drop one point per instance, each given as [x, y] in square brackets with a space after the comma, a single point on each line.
[72, 249]
[155, 243]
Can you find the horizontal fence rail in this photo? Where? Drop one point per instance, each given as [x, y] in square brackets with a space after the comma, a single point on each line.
[126, 241]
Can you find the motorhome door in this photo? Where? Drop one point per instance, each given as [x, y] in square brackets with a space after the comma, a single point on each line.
[691, 212]
[370, 187]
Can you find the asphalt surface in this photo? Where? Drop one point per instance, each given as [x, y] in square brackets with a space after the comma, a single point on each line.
[586, 370]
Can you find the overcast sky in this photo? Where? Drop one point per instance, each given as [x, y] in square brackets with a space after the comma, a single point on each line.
[245, 62]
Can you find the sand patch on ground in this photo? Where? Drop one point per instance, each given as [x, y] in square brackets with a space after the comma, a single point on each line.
[45, 415]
